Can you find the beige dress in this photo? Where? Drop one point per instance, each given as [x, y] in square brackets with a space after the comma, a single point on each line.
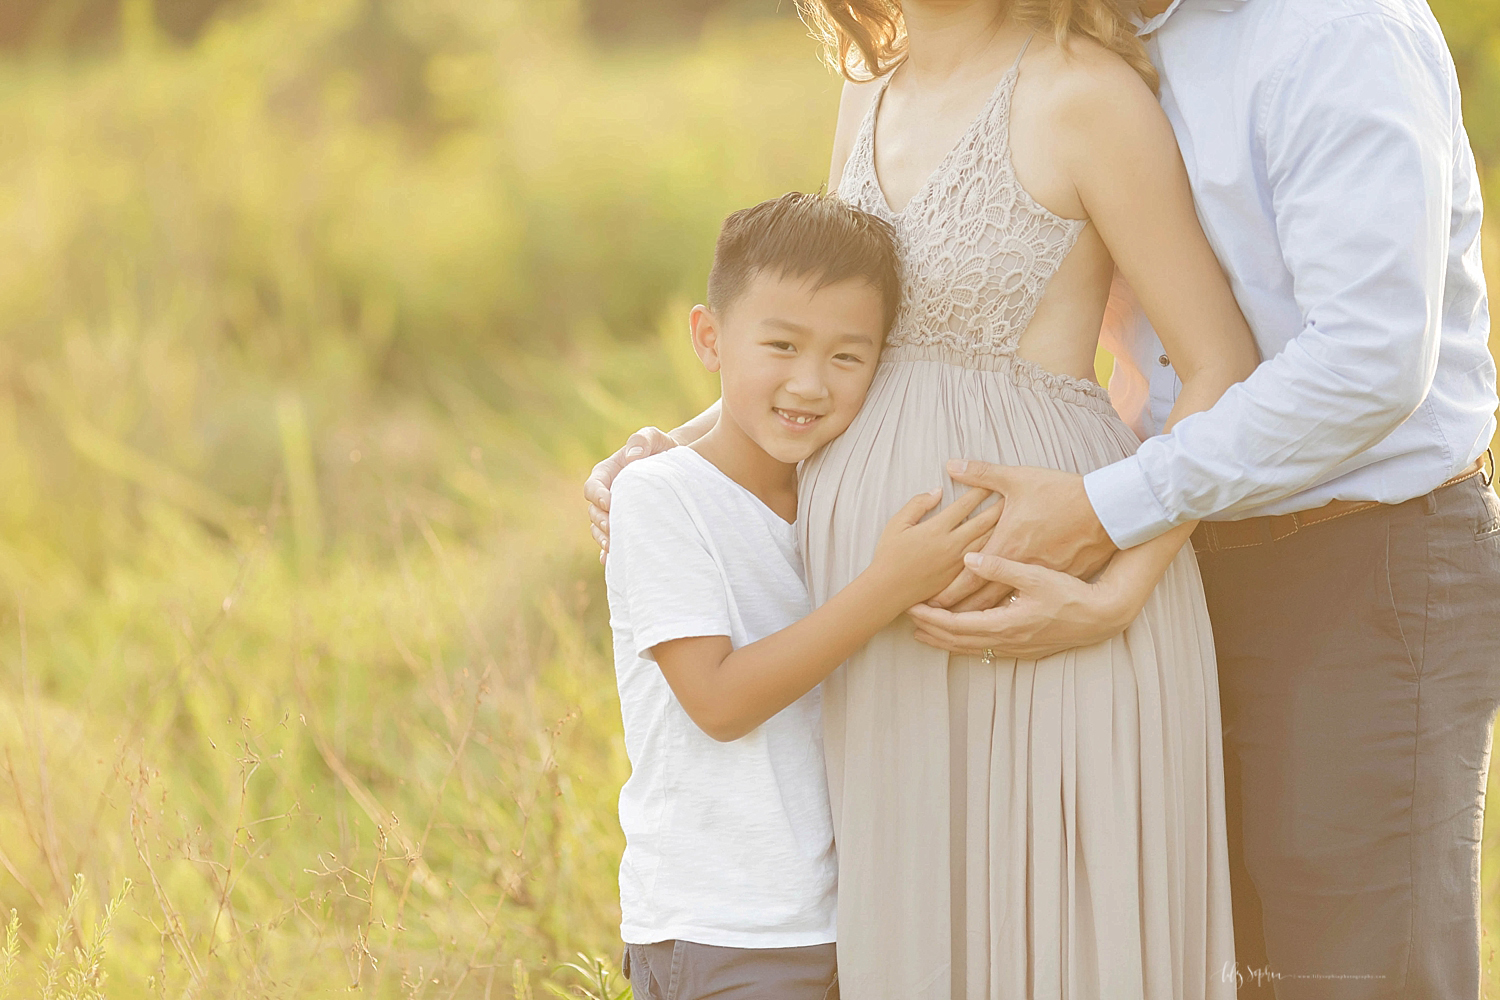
[1035, 829]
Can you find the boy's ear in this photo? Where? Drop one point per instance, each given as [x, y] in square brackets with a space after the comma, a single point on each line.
[704, 327]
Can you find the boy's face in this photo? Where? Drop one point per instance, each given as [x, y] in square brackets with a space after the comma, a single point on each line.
[795, 363]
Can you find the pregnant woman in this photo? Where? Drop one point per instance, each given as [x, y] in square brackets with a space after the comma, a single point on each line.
[1018, 829]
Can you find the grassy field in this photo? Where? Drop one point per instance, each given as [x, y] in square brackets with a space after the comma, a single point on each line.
[308, 334]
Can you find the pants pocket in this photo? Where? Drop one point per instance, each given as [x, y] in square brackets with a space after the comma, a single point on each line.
[636, 967]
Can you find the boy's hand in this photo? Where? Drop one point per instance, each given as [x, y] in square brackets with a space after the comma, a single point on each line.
[915, 559]
[644, 442]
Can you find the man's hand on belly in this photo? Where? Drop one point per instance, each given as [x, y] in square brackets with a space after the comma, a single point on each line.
[1047, 521]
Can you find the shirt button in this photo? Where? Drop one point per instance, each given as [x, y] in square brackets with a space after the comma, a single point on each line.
[1164, 361]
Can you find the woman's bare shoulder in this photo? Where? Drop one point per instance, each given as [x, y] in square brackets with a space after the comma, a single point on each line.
[1087, 83]
[855, 100]
[854, 104]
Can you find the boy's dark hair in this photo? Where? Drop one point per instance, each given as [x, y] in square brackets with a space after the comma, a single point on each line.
[800, 235]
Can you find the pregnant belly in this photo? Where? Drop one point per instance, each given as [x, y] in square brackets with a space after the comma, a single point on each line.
[918, 415]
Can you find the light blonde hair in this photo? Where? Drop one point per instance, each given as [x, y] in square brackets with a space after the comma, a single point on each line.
[864, 39]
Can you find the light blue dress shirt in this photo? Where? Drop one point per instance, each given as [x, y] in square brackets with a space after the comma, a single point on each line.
[1328, 159]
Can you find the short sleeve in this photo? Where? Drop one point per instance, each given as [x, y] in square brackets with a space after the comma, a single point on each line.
[664, 579]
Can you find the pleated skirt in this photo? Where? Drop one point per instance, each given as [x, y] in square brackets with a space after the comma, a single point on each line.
[1024, 830]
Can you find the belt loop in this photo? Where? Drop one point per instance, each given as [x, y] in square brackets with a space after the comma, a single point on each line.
[1263, 528]
[1488, 479]
[1290, 522]
[1432, 503]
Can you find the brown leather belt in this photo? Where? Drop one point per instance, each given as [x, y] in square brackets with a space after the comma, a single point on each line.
[1219, 536]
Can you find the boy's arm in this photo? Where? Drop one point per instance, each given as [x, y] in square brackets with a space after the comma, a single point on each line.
[728, 692]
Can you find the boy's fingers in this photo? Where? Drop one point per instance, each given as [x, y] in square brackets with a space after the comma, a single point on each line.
[917, 507]
[955, 513]
[962, 586]
[979, 525]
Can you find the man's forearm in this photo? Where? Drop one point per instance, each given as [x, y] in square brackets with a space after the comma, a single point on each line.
[1358, 155]
[1298, 407]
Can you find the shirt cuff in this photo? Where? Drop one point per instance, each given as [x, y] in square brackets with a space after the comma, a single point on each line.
[1124, 503]
[647, 639]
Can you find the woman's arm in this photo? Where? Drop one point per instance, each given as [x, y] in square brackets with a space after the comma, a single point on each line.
[1114, 144]
[728, 692]
[1121, 153]
[643, 443]
[691, 430]
[854, 102]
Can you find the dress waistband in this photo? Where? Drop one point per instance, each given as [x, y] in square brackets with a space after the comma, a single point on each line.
[1024, 373]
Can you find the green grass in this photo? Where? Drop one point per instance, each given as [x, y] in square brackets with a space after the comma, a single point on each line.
[308, 335]
[301, 630]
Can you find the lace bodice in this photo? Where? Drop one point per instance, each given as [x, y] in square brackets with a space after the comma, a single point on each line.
[977, 250]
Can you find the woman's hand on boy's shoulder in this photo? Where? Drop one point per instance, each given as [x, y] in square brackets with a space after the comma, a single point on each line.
[643, 443]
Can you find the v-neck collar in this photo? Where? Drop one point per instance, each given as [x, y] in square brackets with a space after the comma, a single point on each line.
[942, 167]
[789, 526]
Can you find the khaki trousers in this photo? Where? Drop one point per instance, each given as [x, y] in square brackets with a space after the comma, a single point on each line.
[1359, 671]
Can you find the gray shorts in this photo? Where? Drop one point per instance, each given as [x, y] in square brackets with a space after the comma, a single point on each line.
[683, 970]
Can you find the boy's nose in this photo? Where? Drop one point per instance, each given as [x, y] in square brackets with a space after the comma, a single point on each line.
[807, 385]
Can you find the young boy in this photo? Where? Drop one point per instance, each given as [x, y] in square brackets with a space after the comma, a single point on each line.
[727, 883]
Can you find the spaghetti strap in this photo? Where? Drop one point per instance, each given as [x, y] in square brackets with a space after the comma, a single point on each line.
[1020, 55]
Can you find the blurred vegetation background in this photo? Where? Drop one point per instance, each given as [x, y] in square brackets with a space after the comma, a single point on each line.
[312, 317]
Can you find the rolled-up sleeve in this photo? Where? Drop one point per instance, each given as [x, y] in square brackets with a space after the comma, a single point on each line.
[1356, 131]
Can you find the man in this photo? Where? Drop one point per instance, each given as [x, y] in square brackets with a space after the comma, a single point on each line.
[1351, 550]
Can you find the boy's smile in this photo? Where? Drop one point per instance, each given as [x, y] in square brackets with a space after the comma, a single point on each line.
[795, 361]
[797, 418]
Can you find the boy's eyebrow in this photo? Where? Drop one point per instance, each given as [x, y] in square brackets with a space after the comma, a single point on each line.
[794, 327]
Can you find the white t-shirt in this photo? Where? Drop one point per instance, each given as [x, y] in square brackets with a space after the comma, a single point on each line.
[727, 844]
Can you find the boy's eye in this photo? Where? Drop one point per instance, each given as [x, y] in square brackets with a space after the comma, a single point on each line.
[779, 345]
[849, 357]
